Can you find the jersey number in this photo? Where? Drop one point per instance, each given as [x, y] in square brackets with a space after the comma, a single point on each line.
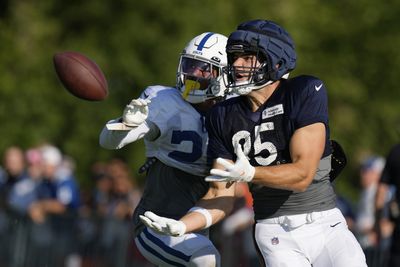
[244, 138]
[187, 138]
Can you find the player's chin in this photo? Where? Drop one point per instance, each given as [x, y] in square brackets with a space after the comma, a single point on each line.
[215, 100]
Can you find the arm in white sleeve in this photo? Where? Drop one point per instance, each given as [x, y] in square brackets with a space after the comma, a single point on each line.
[111, 139]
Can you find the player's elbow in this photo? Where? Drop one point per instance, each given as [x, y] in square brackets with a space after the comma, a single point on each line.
[104, 144]
[303, 183]
[107, 141]
[299, 188]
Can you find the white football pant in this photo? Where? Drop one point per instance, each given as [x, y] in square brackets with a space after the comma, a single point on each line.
[317, 239]
[192, 250]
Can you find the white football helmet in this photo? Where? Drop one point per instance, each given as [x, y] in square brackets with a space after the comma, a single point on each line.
[199, 75]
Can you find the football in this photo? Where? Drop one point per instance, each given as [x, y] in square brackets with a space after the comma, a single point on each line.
[81, 76]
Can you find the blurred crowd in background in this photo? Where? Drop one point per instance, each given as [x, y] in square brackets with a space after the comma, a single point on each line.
[47, 219]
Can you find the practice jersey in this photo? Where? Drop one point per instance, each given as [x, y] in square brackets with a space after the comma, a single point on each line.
[183, 137]
[175, 182]
[265, 136]
[168, 192]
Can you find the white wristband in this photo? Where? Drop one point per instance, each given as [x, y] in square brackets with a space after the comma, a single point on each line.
[205, 213]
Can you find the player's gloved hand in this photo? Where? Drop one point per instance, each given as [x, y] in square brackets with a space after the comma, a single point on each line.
[136, 112]
[240, 171]
[163, 225]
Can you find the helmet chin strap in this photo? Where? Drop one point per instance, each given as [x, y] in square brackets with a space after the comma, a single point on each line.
[243, 88]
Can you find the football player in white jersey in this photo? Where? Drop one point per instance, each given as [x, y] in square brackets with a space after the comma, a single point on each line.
[171, 121]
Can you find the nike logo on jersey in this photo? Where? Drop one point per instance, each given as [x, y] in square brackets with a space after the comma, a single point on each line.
[318, 87]
[333, 225]
[145, 95]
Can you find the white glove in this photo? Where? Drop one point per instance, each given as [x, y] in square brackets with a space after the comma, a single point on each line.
[163, 225]
[136, 112]
[240, 171]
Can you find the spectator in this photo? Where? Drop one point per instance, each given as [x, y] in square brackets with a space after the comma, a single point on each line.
[13, 169]
[103, 186]
[125, 196]
[24, 191]
[55, 212]
[374, 248]
[122, 200]
[370, 173]
[390, 177]
[346, 207]
[92, 212]
[59, 192]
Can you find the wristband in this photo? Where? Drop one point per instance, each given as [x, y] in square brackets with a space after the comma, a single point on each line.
[205, 213]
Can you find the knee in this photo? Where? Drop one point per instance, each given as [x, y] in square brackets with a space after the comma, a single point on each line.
[206, 257]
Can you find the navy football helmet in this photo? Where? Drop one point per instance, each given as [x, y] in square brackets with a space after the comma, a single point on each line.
[273, 47]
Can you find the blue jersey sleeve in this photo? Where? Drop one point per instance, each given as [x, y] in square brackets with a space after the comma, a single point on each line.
[312, 102]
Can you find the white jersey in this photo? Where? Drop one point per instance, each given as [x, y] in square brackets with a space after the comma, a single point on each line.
[182, 143]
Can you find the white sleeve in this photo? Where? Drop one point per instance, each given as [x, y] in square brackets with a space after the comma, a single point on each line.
[110, 139]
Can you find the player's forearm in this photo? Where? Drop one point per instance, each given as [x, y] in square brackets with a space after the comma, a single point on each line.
[285, 176]
[216, 205]
[196, 221]
[306, 149]
[112, 139]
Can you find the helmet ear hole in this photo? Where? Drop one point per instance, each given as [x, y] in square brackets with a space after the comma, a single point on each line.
[260, 74]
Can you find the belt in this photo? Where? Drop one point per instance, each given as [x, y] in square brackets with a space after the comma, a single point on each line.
[297, 220]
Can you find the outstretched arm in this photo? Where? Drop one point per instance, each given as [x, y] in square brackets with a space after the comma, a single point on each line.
[116, 139]
[131, 127]
[212, 208]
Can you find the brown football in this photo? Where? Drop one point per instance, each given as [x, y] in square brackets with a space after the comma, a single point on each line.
[81, 76]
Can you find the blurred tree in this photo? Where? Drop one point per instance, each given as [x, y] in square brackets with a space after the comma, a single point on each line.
[352, 46]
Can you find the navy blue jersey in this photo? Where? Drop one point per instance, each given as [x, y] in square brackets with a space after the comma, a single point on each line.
[265, 136]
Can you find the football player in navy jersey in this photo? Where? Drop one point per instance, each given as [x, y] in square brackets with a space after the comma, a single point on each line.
[171, 120]
[275, 136]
